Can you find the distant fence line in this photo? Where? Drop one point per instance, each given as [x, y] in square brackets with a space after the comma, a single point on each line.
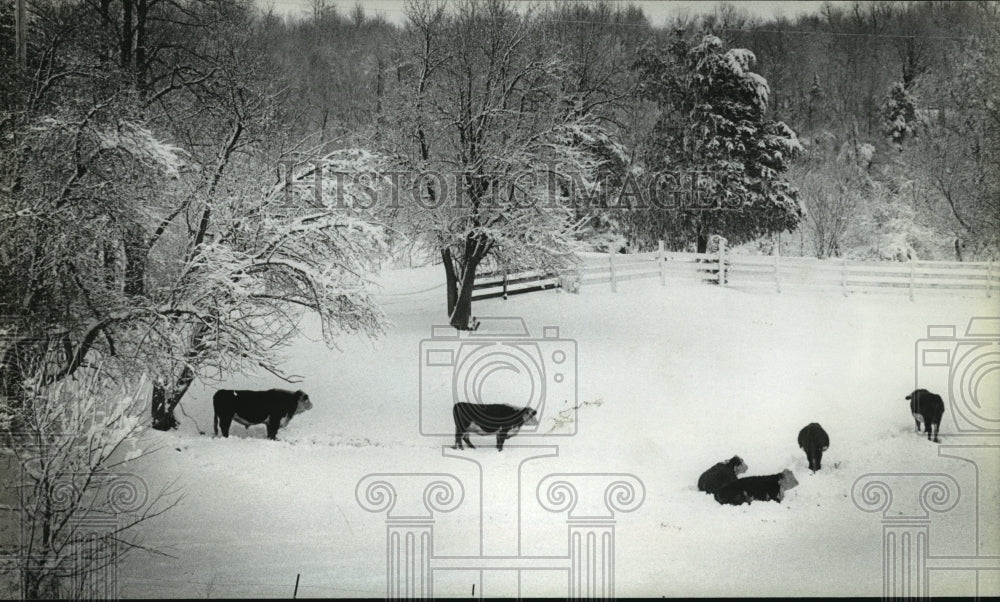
[752, 271]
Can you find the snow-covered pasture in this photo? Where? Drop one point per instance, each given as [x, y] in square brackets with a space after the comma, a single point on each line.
[670, 380]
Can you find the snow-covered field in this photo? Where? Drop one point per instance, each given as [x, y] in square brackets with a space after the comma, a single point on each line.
[670, 380]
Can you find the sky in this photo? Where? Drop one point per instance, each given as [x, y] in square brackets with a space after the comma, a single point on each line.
[656, 10]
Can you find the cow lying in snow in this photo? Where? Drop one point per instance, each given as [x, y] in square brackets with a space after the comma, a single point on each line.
[502, 419]
[927, 408]
[721, 474]
[274, 408]
[749, 489]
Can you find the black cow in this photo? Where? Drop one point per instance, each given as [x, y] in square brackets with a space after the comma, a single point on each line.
[928, 408]
[721, 474]
[814, 441]
[499, 418]
[749, 489]
[274, 407]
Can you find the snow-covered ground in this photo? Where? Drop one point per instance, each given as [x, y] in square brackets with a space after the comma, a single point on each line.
[669, 381]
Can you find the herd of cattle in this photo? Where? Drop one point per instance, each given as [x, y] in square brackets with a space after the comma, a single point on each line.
[275, 407]
[723, 480]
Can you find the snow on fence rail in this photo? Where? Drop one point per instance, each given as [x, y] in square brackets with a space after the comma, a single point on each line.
[748, 271]
[798, 272]
[499, 284]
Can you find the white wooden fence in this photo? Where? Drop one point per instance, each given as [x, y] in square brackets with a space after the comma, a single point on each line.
[500, 284]
[779, 273]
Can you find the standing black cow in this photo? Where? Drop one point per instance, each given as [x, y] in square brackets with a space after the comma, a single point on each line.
[722, 474]
[274, 407]
[749, 489]
[928, 408]
[814, 441]
[499, 418]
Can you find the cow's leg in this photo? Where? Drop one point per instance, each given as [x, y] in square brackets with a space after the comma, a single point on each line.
[467, 442]
[934, 426]
[224, 422]
[272, 427]
[501, 437]
[458, 441]
[916, 423]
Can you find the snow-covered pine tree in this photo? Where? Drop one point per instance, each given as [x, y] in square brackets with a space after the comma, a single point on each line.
[713, 122]
[899, 115]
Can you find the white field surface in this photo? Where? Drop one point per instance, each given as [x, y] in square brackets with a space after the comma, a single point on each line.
[670, 381]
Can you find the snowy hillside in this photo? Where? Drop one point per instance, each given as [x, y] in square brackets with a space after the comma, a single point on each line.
[670, 380]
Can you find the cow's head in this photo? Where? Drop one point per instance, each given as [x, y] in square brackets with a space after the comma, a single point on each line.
[787, 480]
[530, 417]
[303, 402]
[737, 464]
[816, 461]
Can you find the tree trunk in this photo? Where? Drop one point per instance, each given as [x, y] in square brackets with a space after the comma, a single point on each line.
[163, 419]
[460, 284]
[451, 280]
[702, 242]
[109, 253]
[135, 262]
[165, 401]
[461, 315]
[141, 10]
[127, 34]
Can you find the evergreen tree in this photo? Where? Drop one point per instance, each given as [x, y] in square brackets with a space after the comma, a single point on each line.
[899, 115]
[713, 127]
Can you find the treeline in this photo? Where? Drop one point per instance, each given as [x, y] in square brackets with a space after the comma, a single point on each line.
[831, 74]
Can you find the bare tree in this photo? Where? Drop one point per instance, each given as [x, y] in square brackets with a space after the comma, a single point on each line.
[77, 504]
[833, 190]
[485, 107]
[139, 227]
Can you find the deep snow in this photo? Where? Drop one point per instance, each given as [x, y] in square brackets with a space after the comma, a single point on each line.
[670, 380]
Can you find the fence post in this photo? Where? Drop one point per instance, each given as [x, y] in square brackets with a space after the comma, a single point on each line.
[777, 269]
[912, 276]
[843, 274]
[989, 279]
[659, 262]
[505, 275]
[722, 262]
[611, 262]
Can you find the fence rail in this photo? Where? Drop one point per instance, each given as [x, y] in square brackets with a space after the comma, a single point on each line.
[498, 284]
[752, 271]
[748, 271]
